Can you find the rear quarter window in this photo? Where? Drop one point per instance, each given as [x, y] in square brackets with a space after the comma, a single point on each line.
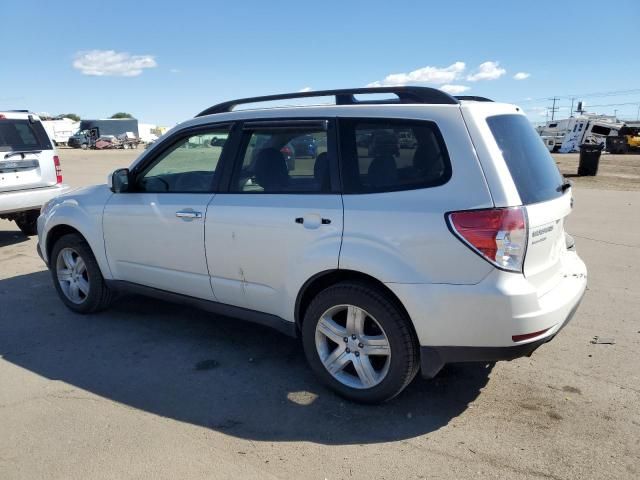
[532, 168]
[386, 155]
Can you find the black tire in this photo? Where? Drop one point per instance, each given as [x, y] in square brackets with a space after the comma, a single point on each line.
[99, 296]
[404, 359]
[28, 222]
[84, 146]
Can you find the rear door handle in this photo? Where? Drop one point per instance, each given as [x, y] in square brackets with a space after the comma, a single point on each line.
[188, 214]
[323, 221]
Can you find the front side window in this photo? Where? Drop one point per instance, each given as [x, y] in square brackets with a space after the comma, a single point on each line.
[284, 160]
[391, 155]
[189, 166]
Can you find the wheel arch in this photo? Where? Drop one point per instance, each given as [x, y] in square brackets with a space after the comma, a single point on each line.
[57, 233]
[325, 279]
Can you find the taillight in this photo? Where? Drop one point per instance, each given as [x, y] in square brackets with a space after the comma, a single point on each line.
[56, 162]
[499, 234]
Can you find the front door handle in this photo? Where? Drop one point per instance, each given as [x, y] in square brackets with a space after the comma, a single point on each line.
[188, 214]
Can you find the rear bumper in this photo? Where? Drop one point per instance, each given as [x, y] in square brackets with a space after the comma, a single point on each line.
[32, 199]
[492, 320]
[432, 359]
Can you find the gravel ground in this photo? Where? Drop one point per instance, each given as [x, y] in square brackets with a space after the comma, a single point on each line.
[153, 390]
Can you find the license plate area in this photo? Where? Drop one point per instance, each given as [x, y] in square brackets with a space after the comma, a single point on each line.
[17, 165]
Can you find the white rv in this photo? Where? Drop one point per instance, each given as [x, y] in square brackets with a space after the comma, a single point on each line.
[60, 130]
[568, 134]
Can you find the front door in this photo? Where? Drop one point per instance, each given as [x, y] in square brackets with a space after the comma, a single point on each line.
[154, 234]
[281, 221]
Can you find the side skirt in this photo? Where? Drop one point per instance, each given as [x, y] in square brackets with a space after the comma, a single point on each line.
[266, 319]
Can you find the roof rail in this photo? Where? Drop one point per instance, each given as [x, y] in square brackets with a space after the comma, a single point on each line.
[19, 111]
[345, 96]
[473, 98]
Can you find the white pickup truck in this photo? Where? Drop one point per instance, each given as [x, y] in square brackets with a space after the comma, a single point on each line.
[30, 172]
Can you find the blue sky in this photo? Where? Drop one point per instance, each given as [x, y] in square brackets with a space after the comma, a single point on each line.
[166, 63]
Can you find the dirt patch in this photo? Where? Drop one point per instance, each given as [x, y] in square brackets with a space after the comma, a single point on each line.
[615, 172]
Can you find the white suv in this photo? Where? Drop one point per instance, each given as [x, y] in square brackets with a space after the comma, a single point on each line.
[385, 260]
[30, 171]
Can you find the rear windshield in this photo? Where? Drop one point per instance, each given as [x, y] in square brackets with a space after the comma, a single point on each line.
[18, 135]
[532, 168]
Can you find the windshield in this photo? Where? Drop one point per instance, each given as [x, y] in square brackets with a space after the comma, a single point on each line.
[532, 168]
[19, 135]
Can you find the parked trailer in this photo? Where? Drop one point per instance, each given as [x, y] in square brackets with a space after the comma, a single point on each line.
[92, 130]
[59, 130]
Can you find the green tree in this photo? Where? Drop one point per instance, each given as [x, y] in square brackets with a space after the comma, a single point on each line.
[122, 115]
[72, 116]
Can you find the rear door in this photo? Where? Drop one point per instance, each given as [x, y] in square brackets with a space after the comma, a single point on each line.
[540, 187]
[281, 220]
[26, 153]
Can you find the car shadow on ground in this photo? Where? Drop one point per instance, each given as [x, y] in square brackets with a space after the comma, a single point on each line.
[12, 237]
[219, 373]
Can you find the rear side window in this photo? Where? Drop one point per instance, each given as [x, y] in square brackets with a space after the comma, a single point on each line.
[284, 159]
[532, 168]
[22, 135]
[391, 155]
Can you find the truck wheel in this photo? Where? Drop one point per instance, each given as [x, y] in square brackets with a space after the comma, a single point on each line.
[84, 146]
[360, 343]
[28, 222]
[77, 276]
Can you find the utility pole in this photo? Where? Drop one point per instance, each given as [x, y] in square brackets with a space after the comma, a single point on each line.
[554, 109]
[571, 112]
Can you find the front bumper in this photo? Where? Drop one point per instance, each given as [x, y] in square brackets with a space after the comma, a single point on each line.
[31, 199]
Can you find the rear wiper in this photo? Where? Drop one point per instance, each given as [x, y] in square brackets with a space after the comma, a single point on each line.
[566, 185]
[11, 154]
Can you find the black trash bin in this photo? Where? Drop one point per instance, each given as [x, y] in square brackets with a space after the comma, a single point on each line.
[589, 159]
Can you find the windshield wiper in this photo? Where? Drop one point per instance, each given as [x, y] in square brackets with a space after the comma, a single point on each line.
[22, 152]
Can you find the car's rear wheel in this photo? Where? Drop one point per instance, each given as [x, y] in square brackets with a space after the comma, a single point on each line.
[76, 275]
[360, 343]
[28, 222]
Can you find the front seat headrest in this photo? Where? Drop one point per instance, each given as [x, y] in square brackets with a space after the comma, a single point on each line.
[271, 169]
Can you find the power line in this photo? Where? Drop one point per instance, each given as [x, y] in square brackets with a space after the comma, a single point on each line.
[614, 104]
[584, 95]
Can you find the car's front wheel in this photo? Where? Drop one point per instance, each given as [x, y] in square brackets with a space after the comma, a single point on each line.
[360, 343]
[76, 275]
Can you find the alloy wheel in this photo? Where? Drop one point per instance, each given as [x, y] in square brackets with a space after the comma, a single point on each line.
[352, 346]
[72, 274]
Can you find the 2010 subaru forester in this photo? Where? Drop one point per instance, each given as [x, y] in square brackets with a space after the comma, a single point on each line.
[386, 258]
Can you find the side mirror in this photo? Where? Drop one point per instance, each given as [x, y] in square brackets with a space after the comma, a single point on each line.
[119, 180]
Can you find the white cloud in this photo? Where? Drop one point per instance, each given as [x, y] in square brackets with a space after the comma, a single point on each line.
[426, 74]
[521, 76]
[175, 70]
[487, 71]
[454, 89]
[305, 89]
[111, 63]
